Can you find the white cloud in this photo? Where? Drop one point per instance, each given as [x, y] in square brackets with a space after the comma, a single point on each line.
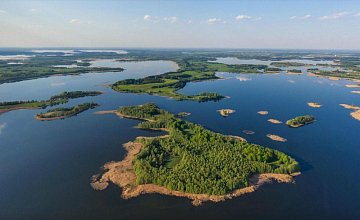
[33, 10]
[247, 17]
[242, 17]
[78, 21]
[212, 21]
[304, 17]
[147, 17]
[357, 15]
[171, 19]
[2, 12]
[2, 127]
[335, 16]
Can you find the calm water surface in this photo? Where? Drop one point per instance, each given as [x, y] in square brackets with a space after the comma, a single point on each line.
[45, 166]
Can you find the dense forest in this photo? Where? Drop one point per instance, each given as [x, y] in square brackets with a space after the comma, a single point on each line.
[196, 160]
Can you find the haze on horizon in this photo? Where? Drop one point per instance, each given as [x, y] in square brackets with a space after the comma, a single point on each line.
[181, 24]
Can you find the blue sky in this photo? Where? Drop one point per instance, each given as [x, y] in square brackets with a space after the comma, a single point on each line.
[172, 23]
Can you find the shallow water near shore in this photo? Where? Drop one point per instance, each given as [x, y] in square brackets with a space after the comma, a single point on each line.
[46, 167]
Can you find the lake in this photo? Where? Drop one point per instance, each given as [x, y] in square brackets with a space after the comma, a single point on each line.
[46, 167]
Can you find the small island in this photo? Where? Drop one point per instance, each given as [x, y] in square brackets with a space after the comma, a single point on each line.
[226, 112]
[314, 104]
[276, 138]
[54, 100]
[61, 113]
[183, 114]
[191, 161]
[263, 112]
[274, 121]
[356, 92]
[300, 121]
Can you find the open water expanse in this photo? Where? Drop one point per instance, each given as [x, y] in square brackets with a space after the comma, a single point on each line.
[45, 166]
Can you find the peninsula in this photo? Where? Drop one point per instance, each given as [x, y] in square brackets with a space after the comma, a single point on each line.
[46, 66]
[53, 100]
[191, 161]
[61, 113]
[191, 70]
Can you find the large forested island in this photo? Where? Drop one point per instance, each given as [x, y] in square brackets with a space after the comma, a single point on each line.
[191, 161]
[53, 100]
[61, 113]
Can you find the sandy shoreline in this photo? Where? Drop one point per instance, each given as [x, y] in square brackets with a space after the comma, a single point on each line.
[294, 73]
[352, 86]
[120, 115]
[235, 137]
[51, 119]
[356, 114]
[122, 174]
[334, 78]
[2, 111]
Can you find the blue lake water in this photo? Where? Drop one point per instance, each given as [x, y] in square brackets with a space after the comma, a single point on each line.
[45, 167]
